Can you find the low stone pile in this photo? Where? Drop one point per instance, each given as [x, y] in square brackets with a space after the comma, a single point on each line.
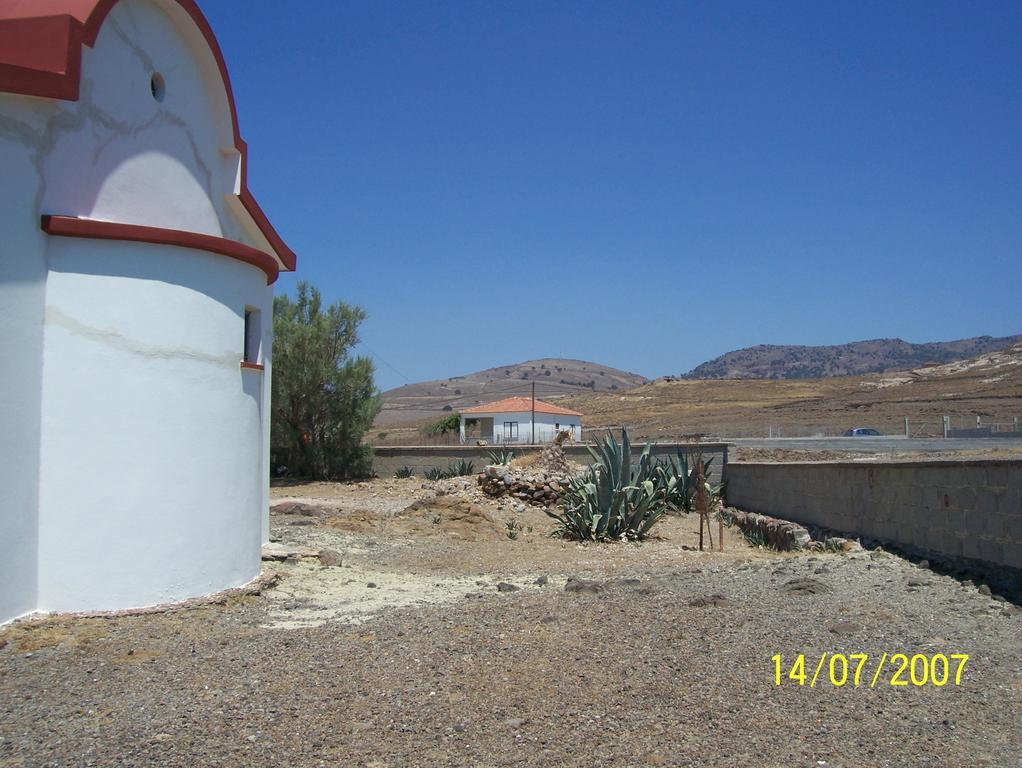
[786, 536]
[778, 534]
[540, 480]
[537, 488]
[553, 461]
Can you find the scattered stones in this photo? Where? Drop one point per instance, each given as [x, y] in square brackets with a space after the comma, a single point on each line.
[924, 564]
[295, 508]
[514, 722]
[916, 582]
[303, 521]
[371, 585]
[841, 544]
[542, 581]
[984, 589]
[805, 586]
[330, 558]
[507, 587]
[707, 600]
[278, 551]
[844, 628]
[583, 586]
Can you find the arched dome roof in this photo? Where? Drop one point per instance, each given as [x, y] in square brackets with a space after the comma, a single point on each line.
[41, 53]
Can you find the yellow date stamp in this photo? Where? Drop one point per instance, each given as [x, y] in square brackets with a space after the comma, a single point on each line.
[861, 669]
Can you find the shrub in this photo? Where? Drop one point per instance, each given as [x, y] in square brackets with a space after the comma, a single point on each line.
[442, 426]
[616, 498]
[404, 471]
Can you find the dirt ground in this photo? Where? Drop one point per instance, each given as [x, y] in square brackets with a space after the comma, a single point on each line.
[427, 636]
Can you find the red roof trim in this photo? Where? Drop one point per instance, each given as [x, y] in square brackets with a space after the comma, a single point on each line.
[519, 405]
[41, 55]
[68, 226]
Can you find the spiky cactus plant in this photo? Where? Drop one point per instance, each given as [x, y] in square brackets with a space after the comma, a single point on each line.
[616, 498]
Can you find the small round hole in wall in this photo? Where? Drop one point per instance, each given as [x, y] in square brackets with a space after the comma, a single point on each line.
[157, 86]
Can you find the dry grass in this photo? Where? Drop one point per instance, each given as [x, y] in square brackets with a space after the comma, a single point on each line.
[34, 635]
[989, 387]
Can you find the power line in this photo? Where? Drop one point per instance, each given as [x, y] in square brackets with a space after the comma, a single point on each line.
[376, 356]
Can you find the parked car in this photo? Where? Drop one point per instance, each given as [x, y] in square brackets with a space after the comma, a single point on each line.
[861, 432]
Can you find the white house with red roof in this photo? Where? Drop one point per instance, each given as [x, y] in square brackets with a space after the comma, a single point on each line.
[136, 275]
[519, 420]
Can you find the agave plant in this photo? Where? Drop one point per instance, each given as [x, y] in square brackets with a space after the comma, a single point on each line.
[616, 498]
[436, 473]
[463, 467]
[404, 471]
[681, 495]
[501, 457]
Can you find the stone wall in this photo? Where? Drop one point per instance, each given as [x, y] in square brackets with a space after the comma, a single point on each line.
[968, 513]
[387, 459]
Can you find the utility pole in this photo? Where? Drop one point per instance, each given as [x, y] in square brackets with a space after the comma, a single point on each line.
[533, 413]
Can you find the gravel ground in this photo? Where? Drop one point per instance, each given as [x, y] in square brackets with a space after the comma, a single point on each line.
[407, 654]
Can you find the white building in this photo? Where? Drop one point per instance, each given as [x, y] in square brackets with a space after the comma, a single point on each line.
[511, 421]
[135, 306]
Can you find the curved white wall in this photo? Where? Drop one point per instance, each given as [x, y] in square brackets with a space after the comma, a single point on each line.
[151, 460]
[134, 464]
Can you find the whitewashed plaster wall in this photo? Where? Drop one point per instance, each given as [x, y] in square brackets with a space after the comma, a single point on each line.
[546, 426]
[135, 455]
[151, 462]
[22, 297]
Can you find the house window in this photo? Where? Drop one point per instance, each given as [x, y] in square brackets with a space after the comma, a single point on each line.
[557, 427]
[253, 331]
[510, 431]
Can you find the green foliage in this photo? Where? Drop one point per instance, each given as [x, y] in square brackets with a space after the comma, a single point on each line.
[501, 456]
[323, 399]
[442, 426]
[681, 492]
[513, 528]
[404, 471]
[461, 467]
[616, 498]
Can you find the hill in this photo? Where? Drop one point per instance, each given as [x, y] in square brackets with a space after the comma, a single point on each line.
[988, 386]
[769, 361]
[554, 378]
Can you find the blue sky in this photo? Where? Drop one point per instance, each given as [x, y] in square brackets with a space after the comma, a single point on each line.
[645, 185]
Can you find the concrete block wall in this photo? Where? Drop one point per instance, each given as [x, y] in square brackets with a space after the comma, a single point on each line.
[962, 511]
[386, 460]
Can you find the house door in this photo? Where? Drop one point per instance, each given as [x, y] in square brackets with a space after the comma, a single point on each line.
[510, 431]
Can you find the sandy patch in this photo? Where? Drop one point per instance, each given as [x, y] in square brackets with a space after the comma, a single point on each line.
[310, 595]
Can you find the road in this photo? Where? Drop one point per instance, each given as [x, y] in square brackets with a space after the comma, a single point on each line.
[882, 444]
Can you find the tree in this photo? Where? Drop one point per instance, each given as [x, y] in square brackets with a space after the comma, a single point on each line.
[447, 424]
[324, 400]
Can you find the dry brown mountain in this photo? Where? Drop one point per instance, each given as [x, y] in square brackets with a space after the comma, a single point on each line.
[554, 378]
[770, 361]
[988, 386]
